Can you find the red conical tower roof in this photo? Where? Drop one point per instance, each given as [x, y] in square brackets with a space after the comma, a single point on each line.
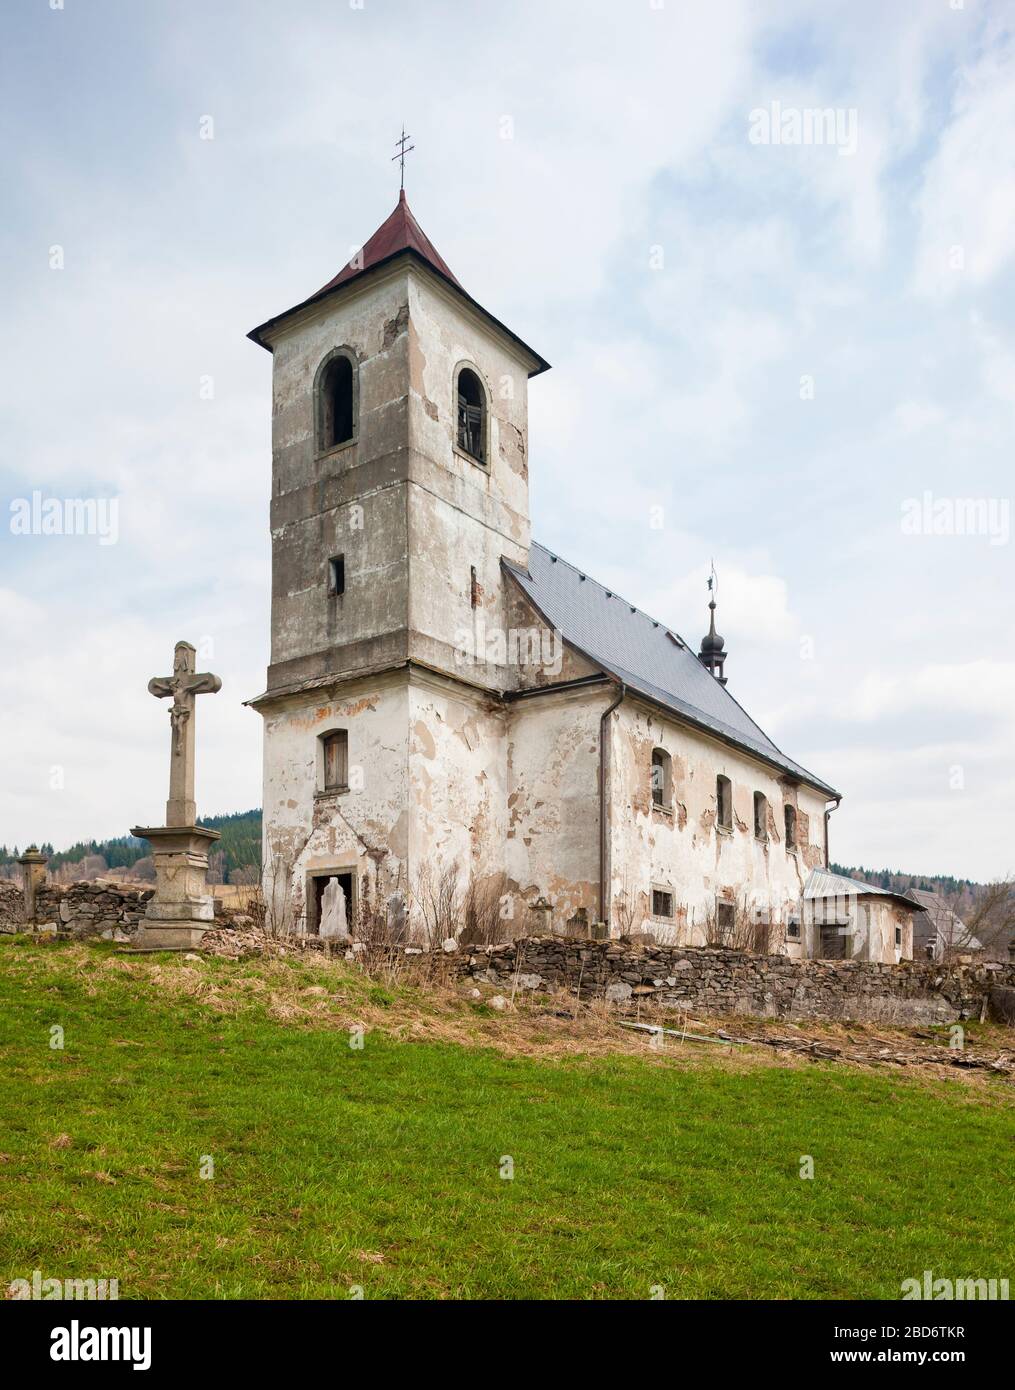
[399, 232]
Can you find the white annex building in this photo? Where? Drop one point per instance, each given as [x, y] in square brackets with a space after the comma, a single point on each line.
[448, 703]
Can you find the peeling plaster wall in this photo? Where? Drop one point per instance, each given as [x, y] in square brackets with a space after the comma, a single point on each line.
[315, 498]
[868, 925]
[457, 780]
[463, 514]
[410, 512]
[884, 918]
[681, 849]
[553, 801]
[366, 828]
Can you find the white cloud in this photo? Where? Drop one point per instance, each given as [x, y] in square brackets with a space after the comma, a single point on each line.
[983, 687]
[966, 203]
[913, 417]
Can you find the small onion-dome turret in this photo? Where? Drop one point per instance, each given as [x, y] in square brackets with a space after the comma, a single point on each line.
[712, 655]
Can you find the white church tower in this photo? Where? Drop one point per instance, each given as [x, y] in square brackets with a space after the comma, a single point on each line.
[399, 483]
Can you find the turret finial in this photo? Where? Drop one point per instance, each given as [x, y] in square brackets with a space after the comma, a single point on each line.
[712, 655]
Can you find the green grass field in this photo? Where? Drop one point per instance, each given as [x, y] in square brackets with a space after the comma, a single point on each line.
[380, 1167]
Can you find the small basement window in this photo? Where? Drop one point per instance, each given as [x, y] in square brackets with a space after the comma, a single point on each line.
[725, 918]
[662, 903]
[335, 748]
[790, 817]
[724, 803]
[336, 575]
[793, 930]
[760, 816]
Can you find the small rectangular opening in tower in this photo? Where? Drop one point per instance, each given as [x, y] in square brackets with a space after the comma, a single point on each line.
[335, 747]
[336, 574]
[473, 587]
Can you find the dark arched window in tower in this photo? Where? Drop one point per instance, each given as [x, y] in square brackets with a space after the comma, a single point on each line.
[471, 415]
[336, 402]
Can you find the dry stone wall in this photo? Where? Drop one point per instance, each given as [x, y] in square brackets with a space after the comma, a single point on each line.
[12, 905]
[101, 908]
[717, 982]
[95, 908]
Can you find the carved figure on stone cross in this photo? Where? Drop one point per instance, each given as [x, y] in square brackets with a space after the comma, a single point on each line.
[183, 685]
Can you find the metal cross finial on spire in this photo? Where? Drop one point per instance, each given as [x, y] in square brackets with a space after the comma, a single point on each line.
[400, 156]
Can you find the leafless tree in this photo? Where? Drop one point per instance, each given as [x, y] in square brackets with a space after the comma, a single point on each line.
[991, 922]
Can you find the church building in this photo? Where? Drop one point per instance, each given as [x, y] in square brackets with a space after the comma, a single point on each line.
[448, 702]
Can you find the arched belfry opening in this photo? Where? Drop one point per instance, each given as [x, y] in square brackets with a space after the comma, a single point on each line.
[336, 402]
[471, 415]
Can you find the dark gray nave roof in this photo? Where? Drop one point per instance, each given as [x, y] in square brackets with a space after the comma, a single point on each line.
[649, 657]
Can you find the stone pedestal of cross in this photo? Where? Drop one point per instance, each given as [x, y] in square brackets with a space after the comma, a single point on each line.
[182, 909]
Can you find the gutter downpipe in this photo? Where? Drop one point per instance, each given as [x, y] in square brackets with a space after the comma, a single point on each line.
[603, 810]
[828, 812]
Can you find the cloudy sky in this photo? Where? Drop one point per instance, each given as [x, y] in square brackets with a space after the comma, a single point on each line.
[801, 349]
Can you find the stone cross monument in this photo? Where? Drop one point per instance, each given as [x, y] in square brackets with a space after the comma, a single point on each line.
[184, 684]
[182, 909]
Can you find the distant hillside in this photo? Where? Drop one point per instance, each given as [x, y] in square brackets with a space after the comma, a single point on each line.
[961, 894]
[234, 859]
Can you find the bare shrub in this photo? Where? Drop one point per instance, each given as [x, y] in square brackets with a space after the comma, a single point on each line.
[625, 906]
[438, 895]
[483, 919]
[735, 926]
